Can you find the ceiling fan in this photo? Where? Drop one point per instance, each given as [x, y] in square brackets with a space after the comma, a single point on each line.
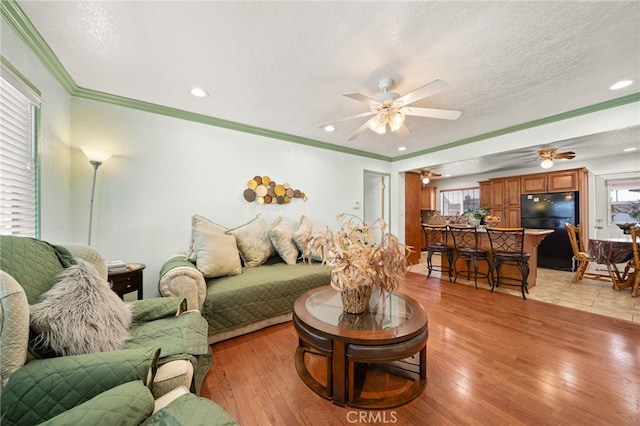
[426, 176]
[389, 108]
[549, 154]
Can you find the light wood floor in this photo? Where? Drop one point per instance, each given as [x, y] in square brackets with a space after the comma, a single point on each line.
[555, 287]
[493, 359]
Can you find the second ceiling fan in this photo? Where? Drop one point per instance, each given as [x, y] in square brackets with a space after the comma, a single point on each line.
[549, 154]
[389, 108]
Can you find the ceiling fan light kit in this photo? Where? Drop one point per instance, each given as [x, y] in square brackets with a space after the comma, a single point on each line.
[546, 163]
[550, 154]
[427, 175]
[390, 109]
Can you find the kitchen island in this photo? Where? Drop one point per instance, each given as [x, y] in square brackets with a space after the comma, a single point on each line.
[532, 238]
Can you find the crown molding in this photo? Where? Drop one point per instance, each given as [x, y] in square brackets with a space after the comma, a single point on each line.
[612, 103]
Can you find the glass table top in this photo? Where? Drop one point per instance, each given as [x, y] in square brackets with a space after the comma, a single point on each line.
[385, 311]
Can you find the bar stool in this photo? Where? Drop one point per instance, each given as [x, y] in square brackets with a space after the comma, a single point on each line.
[437, 242]
[507, 247]
[465, 244]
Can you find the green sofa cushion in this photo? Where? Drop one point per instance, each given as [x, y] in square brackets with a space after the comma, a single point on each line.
[33, 263]
[128, 404]
[44, 388]
[191, 410]
[259, 292]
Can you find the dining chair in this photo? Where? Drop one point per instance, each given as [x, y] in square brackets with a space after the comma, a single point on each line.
[437, 242]
[635, 262]
[507, 248]
[581, 255]
[465, 245]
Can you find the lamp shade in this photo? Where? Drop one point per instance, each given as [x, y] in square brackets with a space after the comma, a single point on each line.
[95, 154]
[546, 164]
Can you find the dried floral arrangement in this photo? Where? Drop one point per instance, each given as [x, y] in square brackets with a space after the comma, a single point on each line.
[357, 258]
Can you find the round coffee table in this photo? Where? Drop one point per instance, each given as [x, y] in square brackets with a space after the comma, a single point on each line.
[377, 359]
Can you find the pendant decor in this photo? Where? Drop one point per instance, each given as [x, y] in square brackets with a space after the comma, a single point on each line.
[263, 190]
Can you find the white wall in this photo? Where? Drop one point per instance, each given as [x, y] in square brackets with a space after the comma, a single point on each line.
[165, 169]
[55, 138]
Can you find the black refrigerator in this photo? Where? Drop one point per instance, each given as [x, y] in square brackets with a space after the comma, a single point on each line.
[551, 211]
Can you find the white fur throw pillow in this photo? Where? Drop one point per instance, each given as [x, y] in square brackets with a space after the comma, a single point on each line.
[80, 314]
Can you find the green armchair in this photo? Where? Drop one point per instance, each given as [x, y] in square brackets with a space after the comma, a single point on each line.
[165, 356]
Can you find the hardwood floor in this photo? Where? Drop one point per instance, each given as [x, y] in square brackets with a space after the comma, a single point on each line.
[493, 359]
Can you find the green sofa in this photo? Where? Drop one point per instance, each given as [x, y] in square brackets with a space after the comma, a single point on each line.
[234, 305]
[147, 381]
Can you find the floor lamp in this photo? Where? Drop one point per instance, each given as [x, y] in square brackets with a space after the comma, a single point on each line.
[96, 158]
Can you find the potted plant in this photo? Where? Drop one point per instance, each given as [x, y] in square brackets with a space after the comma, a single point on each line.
[360, 262]
[478, 214]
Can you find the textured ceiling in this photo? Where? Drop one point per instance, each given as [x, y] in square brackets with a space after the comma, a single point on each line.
[284, 66]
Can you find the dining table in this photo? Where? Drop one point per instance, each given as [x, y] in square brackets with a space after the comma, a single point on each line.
[613, 252]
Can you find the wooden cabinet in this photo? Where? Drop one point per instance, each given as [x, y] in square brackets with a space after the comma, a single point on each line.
[534, 184]
[560, 181]
[564, 180]
[428, 197]
[505, 200]
[485, 193]
[503, 194]
[412, 219]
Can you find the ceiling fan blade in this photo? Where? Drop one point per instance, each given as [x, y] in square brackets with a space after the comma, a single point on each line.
[429, 89]
[569, 155]
[361, 98]
[434, 174]
[364, 114]
[445, 114]
[361, 130]
[403, 131]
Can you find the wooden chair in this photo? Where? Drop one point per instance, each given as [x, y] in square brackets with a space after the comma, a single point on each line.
[635, 262]
[507, 248]
[465, 245]
[437, 242]
[581, 255]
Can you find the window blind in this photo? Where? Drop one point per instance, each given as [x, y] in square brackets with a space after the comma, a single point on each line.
[18, 159]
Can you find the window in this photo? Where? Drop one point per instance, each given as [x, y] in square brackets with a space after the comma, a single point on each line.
[19, 107]
[455, 202]
[624, 200]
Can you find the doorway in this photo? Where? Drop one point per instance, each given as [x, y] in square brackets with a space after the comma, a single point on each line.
[377, 196]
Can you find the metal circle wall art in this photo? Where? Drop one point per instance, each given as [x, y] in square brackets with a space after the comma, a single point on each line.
[263, 190]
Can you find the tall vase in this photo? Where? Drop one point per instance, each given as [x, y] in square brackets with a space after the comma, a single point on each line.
[356, 300]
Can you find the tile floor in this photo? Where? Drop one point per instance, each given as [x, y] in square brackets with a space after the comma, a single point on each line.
[554, 286]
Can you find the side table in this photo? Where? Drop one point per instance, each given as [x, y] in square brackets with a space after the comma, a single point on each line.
[127, 279]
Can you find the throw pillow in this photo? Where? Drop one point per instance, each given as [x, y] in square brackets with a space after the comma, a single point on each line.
[302, 233]
[253, 242]
[216, 254]
[199, 223]
[80, 314]
[281, 236]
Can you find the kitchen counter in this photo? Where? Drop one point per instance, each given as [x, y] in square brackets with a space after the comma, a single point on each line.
[532, 238]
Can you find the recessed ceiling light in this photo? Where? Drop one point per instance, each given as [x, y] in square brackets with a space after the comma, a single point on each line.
[329, 128]
[402, 148]
[630, 149]
[447, 175]
[621, 84]
[198, 92]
